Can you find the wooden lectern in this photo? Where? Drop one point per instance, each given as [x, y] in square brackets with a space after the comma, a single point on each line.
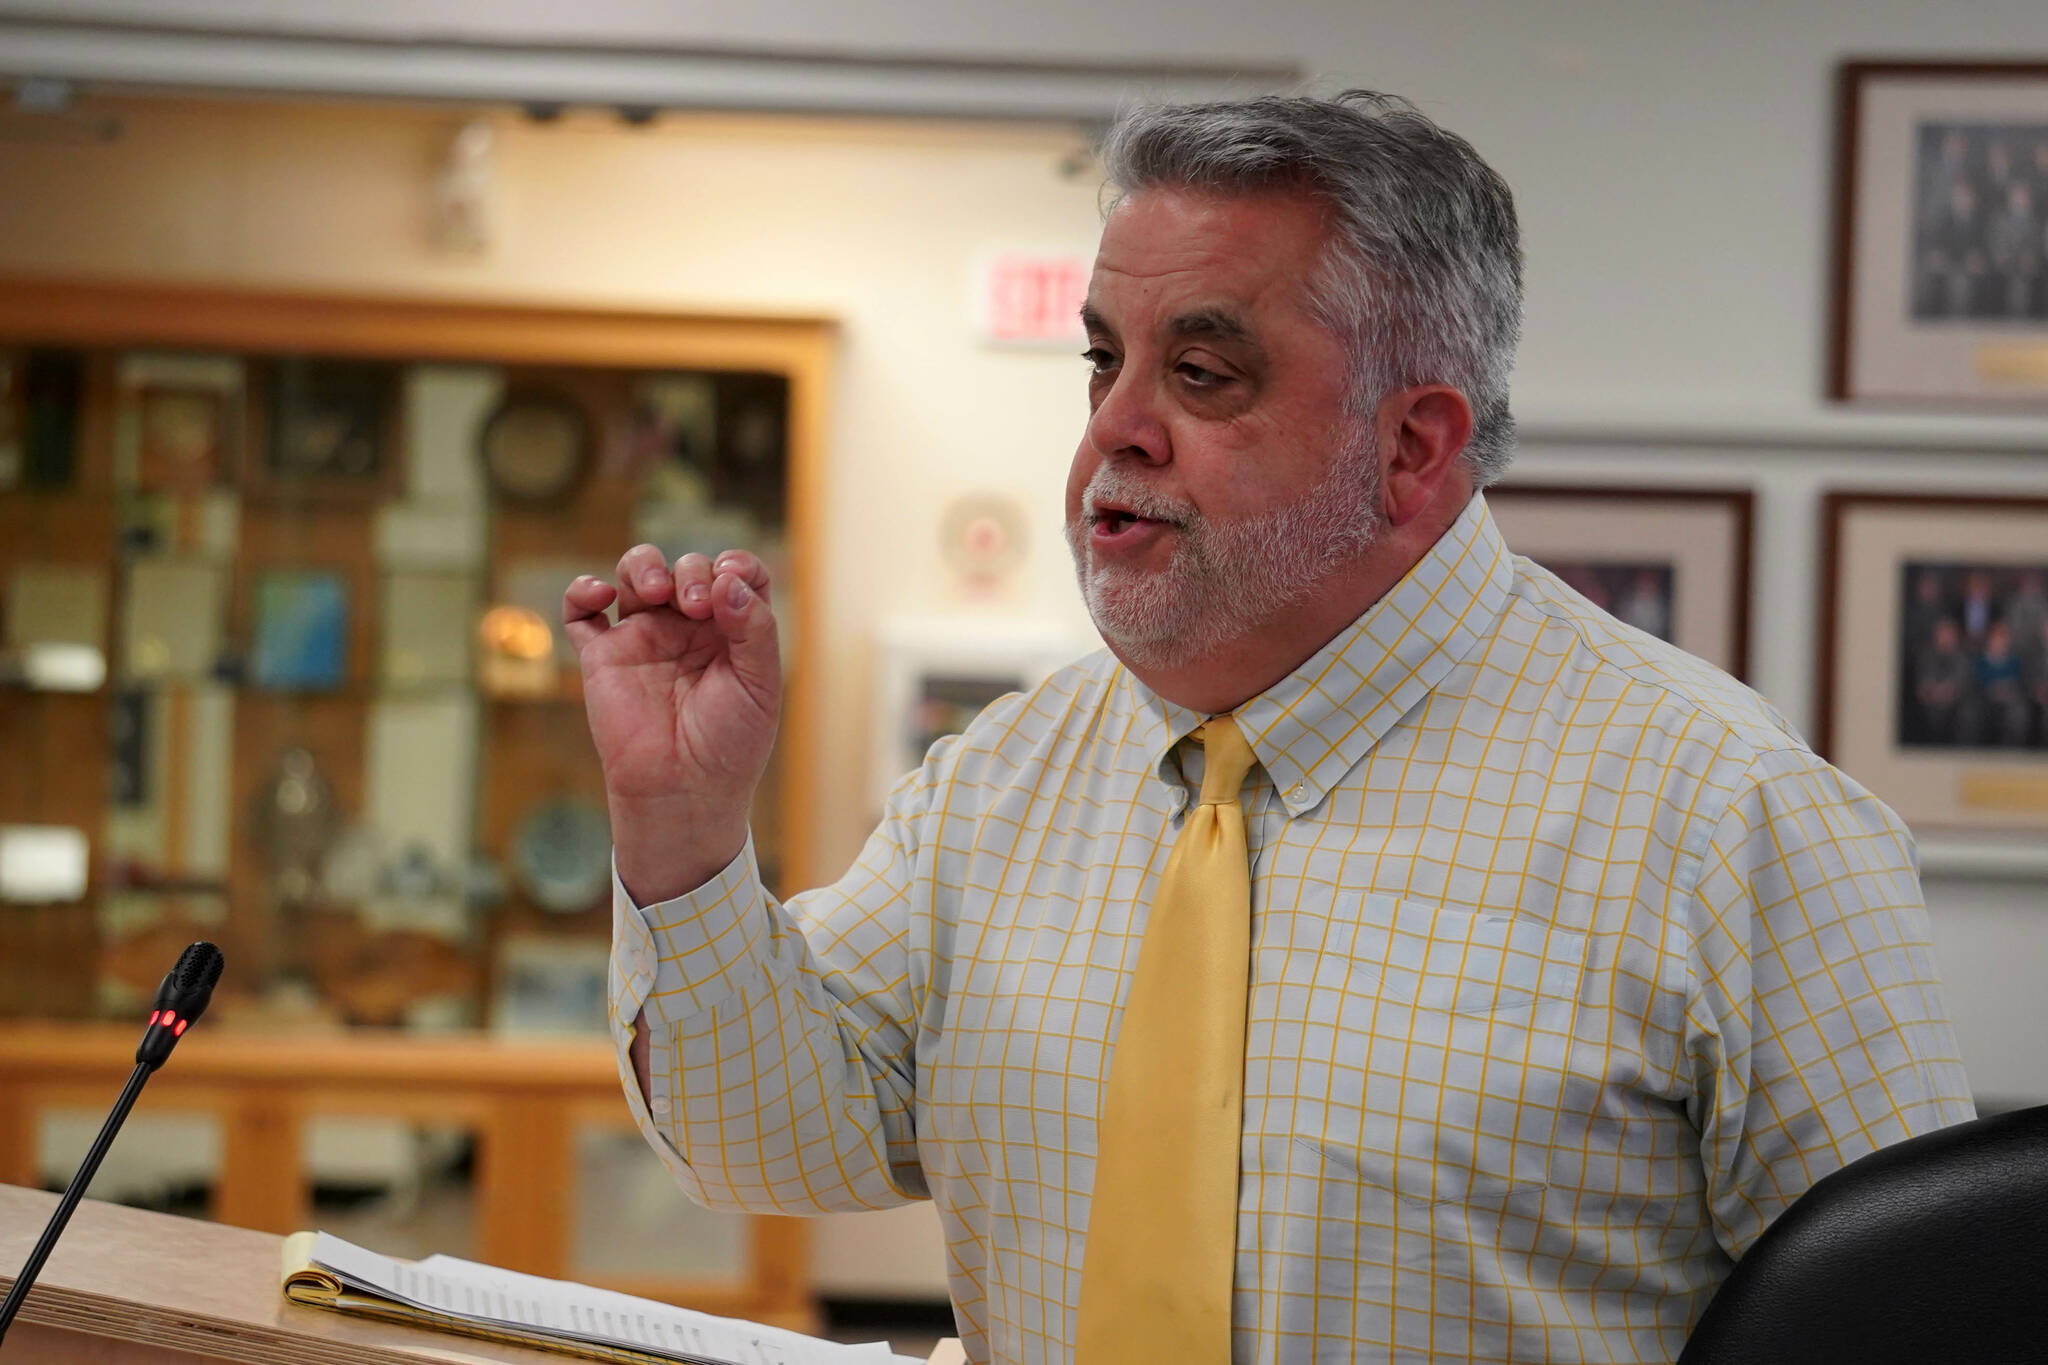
[130, 1287]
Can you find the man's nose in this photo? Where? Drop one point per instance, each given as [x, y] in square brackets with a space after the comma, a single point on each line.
[1128, 422]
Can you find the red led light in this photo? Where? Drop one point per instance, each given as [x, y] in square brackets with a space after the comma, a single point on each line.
[179, 1031]
[153, 1015]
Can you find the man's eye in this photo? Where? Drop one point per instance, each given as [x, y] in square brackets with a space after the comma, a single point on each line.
[1200, 377]
[1099, 360]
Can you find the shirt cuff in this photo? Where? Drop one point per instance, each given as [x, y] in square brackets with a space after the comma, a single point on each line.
[677, 958]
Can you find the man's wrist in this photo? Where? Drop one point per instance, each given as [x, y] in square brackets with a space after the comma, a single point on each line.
[662, 853]
[651, 884]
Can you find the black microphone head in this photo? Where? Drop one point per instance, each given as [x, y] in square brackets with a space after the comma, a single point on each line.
[190, 983]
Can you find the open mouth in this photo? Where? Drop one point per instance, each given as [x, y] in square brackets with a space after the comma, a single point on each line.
[1121, 526]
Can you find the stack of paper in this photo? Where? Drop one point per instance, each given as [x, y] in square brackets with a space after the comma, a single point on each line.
[461, 1296]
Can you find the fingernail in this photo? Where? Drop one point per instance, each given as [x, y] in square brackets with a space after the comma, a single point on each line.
[696, 592]
[651, 582]
[739, 594]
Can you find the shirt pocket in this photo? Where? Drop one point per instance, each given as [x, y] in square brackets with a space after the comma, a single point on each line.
[1446, 1033]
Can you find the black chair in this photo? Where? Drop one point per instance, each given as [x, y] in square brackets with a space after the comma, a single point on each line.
[1933, 1250]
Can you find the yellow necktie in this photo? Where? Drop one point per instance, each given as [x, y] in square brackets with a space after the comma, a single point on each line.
[1162, 1227]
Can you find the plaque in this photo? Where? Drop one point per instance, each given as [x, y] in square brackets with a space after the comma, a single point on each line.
[171, 618]
[181, 437]
[56, 604]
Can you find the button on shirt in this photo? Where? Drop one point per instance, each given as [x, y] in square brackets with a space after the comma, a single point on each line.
[1572, 966]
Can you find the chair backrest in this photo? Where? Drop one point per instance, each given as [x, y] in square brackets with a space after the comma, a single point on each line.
[1932, 1250]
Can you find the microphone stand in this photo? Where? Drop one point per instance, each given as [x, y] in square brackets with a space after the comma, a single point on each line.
[72, 1194]
[179, 1001]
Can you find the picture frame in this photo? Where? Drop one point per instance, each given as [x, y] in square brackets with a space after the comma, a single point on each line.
[179, 419]
[1673, 561]
[299, 630]
[1940, 290]
[936, 673]
[179, 422]
[326, 430]
[428, 629]
[750, 452]
[181, 437]
[1932, 672]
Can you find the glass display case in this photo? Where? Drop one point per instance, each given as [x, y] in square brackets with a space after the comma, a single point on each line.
[281, 666]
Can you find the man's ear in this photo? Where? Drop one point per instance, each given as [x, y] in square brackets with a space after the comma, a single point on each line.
[1422, 432]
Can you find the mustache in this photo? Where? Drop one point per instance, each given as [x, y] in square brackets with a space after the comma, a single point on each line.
[1112, 485]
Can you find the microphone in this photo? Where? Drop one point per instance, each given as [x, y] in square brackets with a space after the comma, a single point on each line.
[180, 1000]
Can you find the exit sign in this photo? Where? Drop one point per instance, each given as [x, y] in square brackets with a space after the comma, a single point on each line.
[1032, 298]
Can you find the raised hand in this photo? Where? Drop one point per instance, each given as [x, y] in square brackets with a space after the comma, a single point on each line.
[682, 694]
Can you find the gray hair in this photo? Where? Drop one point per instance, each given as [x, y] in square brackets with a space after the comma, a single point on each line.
[1423, 276]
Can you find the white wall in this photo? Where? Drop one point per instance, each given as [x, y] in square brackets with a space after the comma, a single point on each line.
[1672, 162]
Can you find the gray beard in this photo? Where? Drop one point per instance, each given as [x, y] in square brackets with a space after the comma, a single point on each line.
[1227, 577]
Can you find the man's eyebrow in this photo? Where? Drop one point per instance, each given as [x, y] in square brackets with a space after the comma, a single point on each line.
[1217, 323]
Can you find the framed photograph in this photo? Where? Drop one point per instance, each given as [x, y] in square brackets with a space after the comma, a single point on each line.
[1933, 667]
[1670, 561]
[331, 430]
[1941, 269]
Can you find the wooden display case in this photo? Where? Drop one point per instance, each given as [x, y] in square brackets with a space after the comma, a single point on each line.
[301, 954]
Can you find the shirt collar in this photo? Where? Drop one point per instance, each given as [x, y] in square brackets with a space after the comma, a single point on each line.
[1314, 725]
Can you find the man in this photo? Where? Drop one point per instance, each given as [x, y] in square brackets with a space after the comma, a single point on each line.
[2001, 689]
[1559, 965]
[1944, 682]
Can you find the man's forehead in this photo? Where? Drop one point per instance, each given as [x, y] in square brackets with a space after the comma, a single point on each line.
[1199, 263]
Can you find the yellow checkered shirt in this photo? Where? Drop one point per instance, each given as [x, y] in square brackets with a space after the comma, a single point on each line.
[1572, 966]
